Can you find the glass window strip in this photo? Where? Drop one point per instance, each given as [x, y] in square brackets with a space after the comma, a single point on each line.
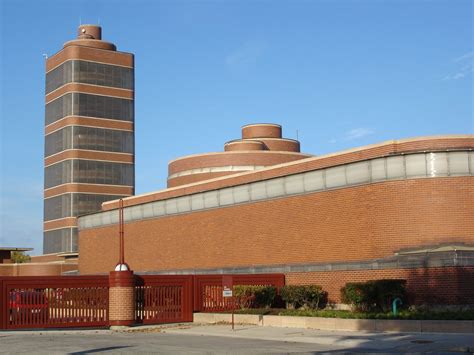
[93, 73]
[89, 172]
[60, 240]
[74, 204]
[88, 105]
[311, 181]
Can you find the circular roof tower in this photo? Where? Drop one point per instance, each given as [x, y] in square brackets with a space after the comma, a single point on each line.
[261, 146]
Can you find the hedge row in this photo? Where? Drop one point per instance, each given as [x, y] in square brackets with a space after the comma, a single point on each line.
[370, 296]
[308, 297]
[254, 296]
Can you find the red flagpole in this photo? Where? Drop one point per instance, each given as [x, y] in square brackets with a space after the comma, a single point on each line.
[121, 232]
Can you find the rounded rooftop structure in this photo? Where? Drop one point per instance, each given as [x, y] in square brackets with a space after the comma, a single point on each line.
[261, 146]
[89, 32]
[90, 36]
[242, 145]
[261, 130]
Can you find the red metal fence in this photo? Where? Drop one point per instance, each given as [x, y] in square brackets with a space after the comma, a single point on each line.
[208, 289]
[83, 301]
[163, 299]
[54, 302]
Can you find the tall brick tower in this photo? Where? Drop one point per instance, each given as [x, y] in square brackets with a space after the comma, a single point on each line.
[89, 133]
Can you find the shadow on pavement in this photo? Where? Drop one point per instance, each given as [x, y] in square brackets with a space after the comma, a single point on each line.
[98, 350]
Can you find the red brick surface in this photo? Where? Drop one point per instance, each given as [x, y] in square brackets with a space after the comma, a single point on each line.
[121, 303]
[349, 224]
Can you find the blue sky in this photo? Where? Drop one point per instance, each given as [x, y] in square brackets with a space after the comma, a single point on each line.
[341, 73]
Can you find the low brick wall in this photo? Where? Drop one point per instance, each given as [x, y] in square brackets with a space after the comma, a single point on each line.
[368, 325]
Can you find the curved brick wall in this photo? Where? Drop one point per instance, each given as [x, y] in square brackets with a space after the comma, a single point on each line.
[283, 144]
[239, 145]
[349, 224]
[192, 178]
[261, 130]
[90, 36]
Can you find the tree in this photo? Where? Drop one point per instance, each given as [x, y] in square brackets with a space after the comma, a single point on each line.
[20, 257]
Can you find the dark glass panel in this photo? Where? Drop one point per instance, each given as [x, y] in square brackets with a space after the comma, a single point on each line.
[58, 141]
[59, 76]
[100, 139]
[74, 239]
[87, 203]
[57, 207]
[74, 204]
[59, 240]
[89, 172]
[103, 74]
[59, 108]
[103, 107]
[57, 174]
[89, 73]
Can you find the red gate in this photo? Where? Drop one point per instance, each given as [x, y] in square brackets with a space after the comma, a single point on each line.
[83, 301]
[53, 302]
[163, 299]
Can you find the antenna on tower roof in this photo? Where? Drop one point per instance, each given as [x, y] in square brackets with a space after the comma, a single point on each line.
[80, 20]
[45, 56]
[98, 21]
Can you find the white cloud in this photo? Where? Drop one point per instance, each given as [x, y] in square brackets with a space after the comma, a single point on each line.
[462, 73]
[354, 134]
[357, 133]
[464, 57]
[247, 54]
[465, 70]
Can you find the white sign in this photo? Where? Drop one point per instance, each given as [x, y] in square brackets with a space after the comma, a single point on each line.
[227, 292]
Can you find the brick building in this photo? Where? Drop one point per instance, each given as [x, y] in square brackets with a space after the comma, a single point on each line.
[398, 209]
[89, 133]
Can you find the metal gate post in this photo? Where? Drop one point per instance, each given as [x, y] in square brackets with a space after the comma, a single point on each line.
[3, 307]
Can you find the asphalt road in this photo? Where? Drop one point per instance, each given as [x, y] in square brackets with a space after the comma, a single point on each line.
[195, 339]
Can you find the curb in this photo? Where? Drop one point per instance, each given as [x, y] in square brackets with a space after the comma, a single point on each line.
[342, 324]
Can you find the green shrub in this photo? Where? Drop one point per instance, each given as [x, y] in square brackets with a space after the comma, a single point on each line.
[302, 296]
[254, 296]
[374, 295]
[357, 294]
[386, 291]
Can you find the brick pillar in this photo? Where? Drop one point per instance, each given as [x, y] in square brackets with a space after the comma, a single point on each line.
[121, 298]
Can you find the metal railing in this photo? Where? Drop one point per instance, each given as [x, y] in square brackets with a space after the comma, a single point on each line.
[54, 302]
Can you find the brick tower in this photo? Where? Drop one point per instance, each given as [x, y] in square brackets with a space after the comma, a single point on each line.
[89, 133]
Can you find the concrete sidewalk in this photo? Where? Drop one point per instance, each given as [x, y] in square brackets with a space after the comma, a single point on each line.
[349, 340]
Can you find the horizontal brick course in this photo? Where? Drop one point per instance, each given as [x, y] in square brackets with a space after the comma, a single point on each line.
[89, 89]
